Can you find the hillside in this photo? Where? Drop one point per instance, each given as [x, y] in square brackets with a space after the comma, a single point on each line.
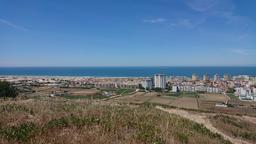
[58, 120]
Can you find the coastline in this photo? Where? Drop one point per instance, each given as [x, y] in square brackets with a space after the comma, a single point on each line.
[50, 76]
[123, 72]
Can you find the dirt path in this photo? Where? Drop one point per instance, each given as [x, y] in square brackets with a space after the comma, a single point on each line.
[201, 119]
[250, 119]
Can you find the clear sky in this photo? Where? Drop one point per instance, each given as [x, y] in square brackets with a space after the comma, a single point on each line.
[127, 32]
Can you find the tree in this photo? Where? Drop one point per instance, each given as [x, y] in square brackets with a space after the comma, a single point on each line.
[158, 89]
[7, 90]
[230, 90]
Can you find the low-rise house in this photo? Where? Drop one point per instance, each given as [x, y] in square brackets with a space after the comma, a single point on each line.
[175, 89]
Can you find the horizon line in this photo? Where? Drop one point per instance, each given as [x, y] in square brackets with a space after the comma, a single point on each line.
[125, 66]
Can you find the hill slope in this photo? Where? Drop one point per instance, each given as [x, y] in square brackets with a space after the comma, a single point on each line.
[69, 121]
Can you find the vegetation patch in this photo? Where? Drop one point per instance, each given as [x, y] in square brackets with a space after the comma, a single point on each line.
[124, 91]
[64, 122]
[19, 133]
[57, 123]
[235, 127]
[182, 94]
[232, 96]
[15, 108]
[7, 90]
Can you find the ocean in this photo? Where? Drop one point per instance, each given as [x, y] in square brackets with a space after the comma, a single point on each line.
[125, 71]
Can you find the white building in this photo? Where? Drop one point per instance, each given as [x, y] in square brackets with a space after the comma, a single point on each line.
[254, 90]
[160, 81]
[253, 80]
[147, 84]
[175, 89]
[194, 77]
[206, 77]
[245, 93]
[242, 77]
[216, 77]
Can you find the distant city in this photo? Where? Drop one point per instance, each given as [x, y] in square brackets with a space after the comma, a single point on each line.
[242, 86]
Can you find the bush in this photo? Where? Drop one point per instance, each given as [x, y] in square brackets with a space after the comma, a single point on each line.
[19, 133]
[230, 90]
[7, 90]
[57, 123]
[182, 137]
[158, 89]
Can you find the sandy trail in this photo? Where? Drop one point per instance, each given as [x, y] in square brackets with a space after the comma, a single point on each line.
[201, 119]
[250, 119]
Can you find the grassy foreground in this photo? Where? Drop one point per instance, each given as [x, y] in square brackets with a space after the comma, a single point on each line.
[69, 121]
[235, 127]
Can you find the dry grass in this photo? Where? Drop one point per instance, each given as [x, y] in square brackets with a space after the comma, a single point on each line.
[67, 121]
[235, 127]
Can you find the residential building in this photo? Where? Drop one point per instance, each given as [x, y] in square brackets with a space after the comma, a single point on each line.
[254, 90]
[194, 77]
[175, 89]
[147, 84]
[206, 77]
[253, 80]
[216, 77]
[160, 81]
[227, 77]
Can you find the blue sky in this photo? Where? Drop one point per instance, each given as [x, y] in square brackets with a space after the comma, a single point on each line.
[127, 33]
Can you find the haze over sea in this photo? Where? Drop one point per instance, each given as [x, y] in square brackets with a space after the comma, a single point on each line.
[125, 71]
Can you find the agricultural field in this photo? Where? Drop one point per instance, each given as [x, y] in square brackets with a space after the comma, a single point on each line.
[208, 101]
[119, 91]
[213, 97]
[46, 91]
[204, 102]
[184, 100]
[81, 91]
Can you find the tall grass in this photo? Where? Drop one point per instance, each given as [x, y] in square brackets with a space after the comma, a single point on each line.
[68, 121]
[235, 127]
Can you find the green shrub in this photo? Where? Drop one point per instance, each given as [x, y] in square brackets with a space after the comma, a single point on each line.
[82, 121]
[149, 134]
[19, 133]
[57, 123]
[203, 130]
[7, 90]
[182, 137]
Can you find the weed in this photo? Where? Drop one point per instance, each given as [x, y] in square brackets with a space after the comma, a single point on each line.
[182, 137]
[57, 123]
[19, 133]
[15, 108]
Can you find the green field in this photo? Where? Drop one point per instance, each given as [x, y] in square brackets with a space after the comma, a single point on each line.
[182, 94]
[232, 96]
[119, 91]
[124, 91]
